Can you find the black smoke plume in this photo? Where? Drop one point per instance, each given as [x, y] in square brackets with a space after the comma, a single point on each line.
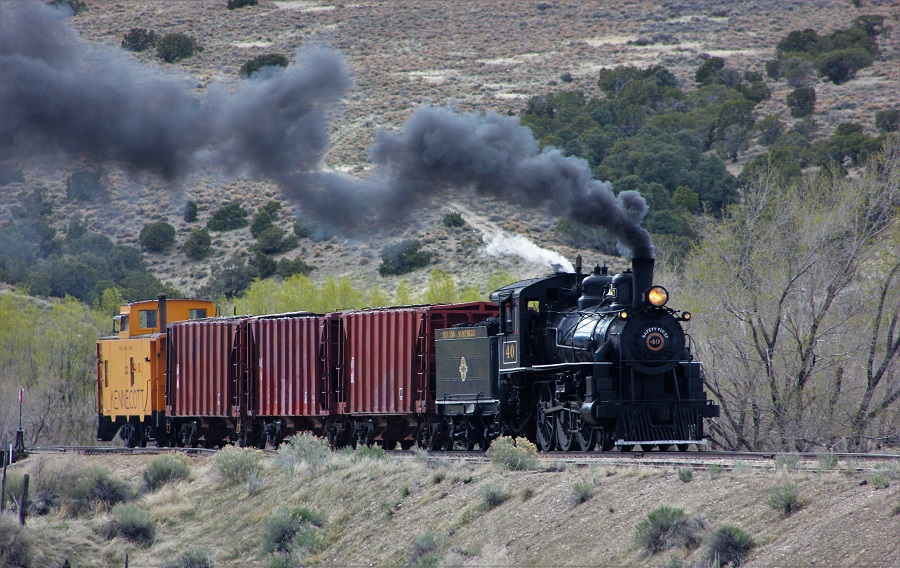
[60, 95]
[497, 156]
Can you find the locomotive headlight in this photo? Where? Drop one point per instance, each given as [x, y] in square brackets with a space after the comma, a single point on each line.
[686, 316]
[658, 296]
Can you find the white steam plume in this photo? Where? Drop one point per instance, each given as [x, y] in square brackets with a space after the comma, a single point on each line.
[501, 244]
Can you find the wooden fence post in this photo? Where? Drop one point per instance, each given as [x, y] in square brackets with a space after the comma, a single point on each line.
[23, 506]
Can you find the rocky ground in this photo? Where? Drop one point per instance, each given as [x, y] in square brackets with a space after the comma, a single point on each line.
[469, 56]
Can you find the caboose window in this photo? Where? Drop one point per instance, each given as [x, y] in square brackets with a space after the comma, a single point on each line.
[147, 318]
[123, 323]
[197, 314]
[117, 324]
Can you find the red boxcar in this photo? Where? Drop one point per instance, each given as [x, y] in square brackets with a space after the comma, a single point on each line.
[287, 377]
[389, 355]
[202, 379]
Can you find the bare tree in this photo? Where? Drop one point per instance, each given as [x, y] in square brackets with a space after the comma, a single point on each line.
[795, 292]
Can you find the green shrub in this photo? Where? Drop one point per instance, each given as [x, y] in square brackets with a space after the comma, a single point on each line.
[303, 230]
[880, 481]
[841, 65]
[174, 47]
[262, 220]
[229, 278]
[157, 237]
[403, 257]
[166, 468]
[453, 220]
[261, 61]
[369, 452]
[493, 495]
[16, 547]
[513, 454]
[139, 39]
[424, 548]
[193, 558]
[198, 244]
[15, 488]
[887, 120]
[93, 489]
[262, 264]
[77, 6]
[305, 447]
[190, 211]
[271, 240]
[668, 527]
[228, 217]
[582, 491]
[293, 531]
[685, 474]
[132, 522]
[287, 268]
[237, 464]
[787, 461]
[784, 497]
[802, 101]
[85, 185]
[715, 471]
[727, 546]
[234, 4]
[827, 462]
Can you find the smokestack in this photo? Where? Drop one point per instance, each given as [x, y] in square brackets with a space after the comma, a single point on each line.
[642, 269]
[163, 323]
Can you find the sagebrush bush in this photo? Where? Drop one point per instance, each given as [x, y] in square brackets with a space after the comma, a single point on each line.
[513, 454]
[96, 489]
[787, 461]
[237, 464]
[668, 527]
[16, 547]
[685, 474]
[191, 209]
[295, 530]
[827, 461]
[166, 468]
[302, 448]
[261, 61]
[582, 491]
[727, 546]
[157, 237]
[15, 488]
[493, 495]
[368, 452]
[193, 558]
[784, 497]
[132, 522]
[422, 551]
[287, 268]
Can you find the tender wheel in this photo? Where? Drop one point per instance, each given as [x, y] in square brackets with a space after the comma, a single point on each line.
[406, 444]
[626, 448]
[545, 431]
[647, 447]
[585, 434]
[565, 426]
[605, 439]
[682, 447]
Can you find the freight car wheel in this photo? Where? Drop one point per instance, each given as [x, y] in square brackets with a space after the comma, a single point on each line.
[565, 430]
[585, 434]
[682, 447]
[545, 430]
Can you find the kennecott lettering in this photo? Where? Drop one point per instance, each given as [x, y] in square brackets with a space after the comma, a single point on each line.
[128, 399]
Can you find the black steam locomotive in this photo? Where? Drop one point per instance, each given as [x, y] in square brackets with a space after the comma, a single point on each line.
[575, 362]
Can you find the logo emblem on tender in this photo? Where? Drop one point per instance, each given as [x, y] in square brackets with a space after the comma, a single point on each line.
[463, 368]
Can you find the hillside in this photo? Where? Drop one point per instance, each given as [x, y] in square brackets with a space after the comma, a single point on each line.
[376, 512]
[402, 55]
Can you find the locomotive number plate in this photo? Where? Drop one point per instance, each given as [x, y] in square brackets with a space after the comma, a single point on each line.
[510, 352]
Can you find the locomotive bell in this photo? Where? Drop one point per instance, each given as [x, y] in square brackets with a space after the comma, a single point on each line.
[594, 288]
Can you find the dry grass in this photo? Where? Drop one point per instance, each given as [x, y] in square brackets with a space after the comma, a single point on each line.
[538, 525]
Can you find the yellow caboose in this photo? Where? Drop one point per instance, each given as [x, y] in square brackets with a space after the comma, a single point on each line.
[131, 369]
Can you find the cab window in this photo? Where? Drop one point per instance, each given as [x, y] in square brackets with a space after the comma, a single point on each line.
[147, 318]
[117, 324]
[197, 314]
[123, 323]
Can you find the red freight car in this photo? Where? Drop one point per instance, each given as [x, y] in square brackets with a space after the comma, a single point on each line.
[283, 387]
[202, 379]
[386, 375]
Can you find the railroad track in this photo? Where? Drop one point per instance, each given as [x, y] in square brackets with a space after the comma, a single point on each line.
[698, 460]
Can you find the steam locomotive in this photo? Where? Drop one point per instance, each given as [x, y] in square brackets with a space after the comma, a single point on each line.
[570, 361]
